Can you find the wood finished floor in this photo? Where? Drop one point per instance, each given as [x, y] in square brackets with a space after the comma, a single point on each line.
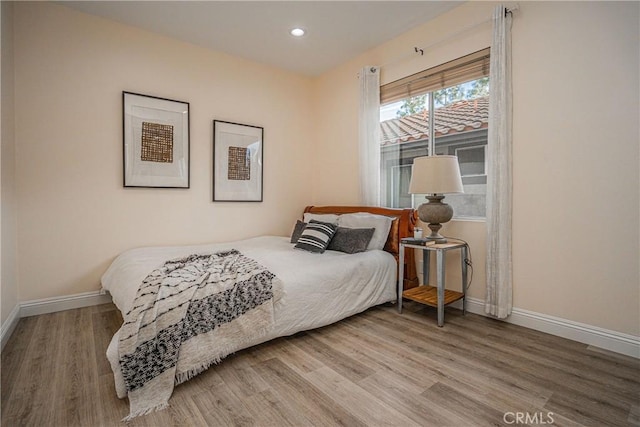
[373, 369]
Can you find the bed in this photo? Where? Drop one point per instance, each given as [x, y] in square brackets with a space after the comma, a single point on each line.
[310, 290]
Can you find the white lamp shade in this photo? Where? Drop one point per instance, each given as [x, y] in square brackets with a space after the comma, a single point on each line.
[435, 175]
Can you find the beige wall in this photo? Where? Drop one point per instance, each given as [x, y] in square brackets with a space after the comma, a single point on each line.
[575, 139]
[75, 216]
[576, 150]
[9, 289]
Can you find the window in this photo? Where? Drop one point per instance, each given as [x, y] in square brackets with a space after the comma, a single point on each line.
[449, 105]
[473, 160]
[400, 179]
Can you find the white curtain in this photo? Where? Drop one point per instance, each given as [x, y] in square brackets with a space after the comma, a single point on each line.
[498, 301]
[369, 136]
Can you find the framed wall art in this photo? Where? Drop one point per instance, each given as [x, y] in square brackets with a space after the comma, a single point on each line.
[156, 141]
[237, 162]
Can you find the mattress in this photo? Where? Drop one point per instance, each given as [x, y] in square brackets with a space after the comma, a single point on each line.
[319, 289]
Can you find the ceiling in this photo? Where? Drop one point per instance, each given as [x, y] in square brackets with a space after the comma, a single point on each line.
[337, 31]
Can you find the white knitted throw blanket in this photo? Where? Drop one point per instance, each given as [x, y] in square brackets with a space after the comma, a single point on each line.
[187, 315]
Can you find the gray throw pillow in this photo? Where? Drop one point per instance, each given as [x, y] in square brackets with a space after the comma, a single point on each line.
[351, 240]
[381, 223]
[297, 231]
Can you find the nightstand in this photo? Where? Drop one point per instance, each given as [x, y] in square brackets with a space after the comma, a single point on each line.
[434, 296]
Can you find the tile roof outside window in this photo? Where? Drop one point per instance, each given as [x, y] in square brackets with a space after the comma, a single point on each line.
[457, 117]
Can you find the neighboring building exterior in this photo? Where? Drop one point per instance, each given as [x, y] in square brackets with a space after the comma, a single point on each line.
[460, 129]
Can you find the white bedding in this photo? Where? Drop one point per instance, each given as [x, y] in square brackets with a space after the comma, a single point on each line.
[319, 289]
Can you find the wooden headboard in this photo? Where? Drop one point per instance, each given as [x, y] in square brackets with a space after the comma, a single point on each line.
[402, 226]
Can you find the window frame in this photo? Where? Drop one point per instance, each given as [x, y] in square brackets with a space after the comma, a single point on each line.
[448, 75]
[473, 147]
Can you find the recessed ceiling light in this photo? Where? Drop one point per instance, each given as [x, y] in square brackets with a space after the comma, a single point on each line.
[297, 32]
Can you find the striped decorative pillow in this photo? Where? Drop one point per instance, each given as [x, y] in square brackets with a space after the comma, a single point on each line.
[316, 236]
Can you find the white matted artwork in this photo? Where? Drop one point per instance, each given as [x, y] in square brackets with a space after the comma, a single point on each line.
[237, 162]
[156, 141]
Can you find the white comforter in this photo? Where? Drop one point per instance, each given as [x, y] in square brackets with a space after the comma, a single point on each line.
[319, 289]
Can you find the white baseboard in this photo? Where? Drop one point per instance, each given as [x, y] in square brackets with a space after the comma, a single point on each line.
[52, 305]
[49, 305]
[609, 340]
[9, 326]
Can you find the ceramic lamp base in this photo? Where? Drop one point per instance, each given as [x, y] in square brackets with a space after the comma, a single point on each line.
[435, 213]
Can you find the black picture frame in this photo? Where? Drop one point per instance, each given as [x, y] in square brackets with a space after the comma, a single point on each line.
[238, 157]
[156, 142]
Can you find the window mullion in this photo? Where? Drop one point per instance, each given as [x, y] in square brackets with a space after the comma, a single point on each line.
[432, 127]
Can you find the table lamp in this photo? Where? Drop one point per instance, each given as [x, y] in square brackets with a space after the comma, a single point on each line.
[435, 176]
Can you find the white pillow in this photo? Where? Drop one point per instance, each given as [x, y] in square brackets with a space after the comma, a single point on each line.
[330, 218]
[381, 223]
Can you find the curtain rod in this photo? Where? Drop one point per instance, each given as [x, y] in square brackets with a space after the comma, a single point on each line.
[421, 50]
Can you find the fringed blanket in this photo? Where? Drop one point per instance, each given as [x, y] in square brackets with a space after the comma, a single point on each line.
[187, 315]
